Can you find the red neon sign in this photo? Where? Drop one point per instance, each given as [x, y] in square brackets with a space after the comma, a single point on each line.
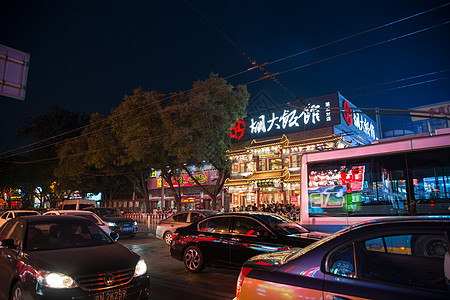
[237, 131]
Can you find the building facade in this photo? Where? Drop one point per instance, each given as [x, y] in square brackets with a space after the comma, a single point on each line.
[267, 152]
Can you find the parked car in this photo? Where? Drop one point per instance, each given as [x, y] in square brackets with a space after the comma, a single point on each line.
[67, 257]
[382, 259]
[166, 227]
[229, 239]
[81, 213]
[11, 214]
[77, 204]
[115, 220]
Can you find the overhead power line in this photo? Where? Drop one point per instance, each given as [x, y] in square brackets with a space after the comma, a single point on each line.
[261, 65]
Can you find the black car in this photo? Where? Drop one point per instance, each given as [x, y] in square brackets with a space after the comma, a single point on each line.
[380, 259]
[116, 221]
[229, 239]
[67, 257]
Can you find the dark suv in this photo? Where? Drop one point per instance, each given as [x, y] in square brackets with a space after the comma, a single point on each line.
[115, 220]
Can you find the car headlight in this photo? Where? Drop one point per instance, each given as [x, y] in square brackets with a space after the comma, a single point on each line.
[140, 269]
[56, 280]
[135, 223]
[112, 224]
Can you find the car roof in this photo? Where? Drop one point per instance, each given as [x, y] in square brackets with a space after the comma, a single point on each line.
[50, 218]
[198, 211]
[21, 210]
[402, 220]
[72, 211]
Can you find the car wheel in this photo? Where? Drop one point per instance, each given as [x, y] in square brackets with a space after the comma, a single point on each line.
[17, 292]
[168, 237]
[193, 259]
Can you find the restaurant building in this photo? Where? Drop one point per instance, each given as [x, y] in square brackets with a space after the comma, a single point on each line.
[267, 148]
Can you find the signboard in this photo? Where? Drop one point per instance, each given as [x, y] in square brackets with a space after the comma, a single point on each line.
[293, 118]
[443, 107]
[13, 72]
[315, 113]
[352, 119]
[204, 178]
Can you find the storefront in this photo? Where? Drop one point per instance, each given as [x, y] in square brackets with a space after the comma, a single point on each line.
[266, 154]
[192, 196]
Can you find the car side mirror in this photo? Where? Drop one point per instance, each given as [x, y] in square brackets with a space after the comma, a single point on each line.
[8, 243]
[114, 236]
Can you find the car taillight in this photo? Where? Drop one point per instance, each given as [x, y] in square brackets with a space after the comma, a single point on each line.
[159, 223]
[244, 272]
[174, 235]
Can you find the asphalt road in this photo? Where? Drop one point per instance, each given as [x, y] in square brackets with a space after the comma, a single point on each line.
[169, 279]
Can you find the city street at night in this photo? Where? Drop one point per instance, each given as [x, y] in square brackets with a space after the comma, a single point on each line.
[169, 279]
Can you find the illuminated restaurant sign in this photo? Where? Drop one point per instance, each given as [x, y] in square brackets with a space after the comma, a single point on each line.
[326, 111]
[288, 119]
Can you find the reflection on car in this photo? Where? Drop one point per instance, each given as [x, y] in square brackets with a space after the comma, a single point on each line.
[382, 259]
[166, 227]
[67, 257]
[229, 239]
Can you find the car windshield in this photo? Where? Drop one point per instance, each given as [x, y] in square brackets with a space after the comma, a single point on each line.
[108, 212]
[283, 225]
[64, 234]
[25, 213]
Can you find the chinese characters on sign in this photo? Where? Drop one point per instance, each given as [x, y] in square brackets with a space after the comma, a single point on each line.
[237, 131]
[288, 119]
[358, 120]
[363, 124]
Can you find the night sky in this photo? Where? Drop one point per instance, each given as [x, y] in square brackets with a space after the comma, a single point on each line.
[85, 56]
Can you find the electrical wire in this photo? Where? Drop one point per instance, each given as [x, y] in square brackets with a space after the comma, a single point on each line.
[257, 80]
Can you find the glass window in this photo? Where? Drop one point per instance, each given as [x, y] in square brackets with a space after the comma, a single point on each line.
[16, 233]
[4, 234]
[181, 217]
[195, 217]
[366, 187]
[431, 181]
[247, 226]
[216, 225]
[342, 262]
[413, 259]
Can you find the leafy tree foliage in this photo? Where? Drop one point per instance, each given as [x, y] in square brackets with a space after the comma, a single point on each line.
[35, 168]
[199, 124]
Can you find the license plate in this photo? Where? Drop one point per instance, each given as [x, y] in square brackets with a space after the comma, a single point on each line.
[127, 228]
[112, 295]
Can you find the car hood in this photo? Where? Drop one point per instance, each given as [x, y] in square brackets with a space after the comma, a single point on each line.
[117, 219]
[270, 261]
[84, 260]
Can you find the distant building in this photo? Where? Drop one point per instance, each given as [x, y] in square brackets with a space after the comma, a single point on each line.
[420, 125]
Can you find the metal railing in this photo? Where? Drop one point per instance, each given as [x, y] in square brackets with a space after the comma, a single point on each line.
[147, 222]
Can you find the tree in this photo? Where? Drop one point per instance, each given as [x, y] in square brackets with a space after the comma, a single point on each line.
[138, 127]
[199, 126]
[36, 167]
[86, 163]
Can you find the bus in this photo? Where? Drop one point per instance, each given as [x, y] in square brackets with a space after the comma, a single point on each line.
[399, 177]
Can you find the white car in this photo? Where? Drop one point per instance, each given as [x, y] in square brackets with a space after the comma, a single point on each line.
[166, 227]
[11, 214]
[82, 213]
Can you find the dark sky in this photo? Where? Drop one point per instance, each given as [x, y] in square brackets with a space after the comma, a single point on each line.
[85, 56]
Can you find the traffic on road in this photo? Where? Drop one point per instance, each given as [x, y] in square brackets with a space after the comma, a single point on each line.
[248, 255]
